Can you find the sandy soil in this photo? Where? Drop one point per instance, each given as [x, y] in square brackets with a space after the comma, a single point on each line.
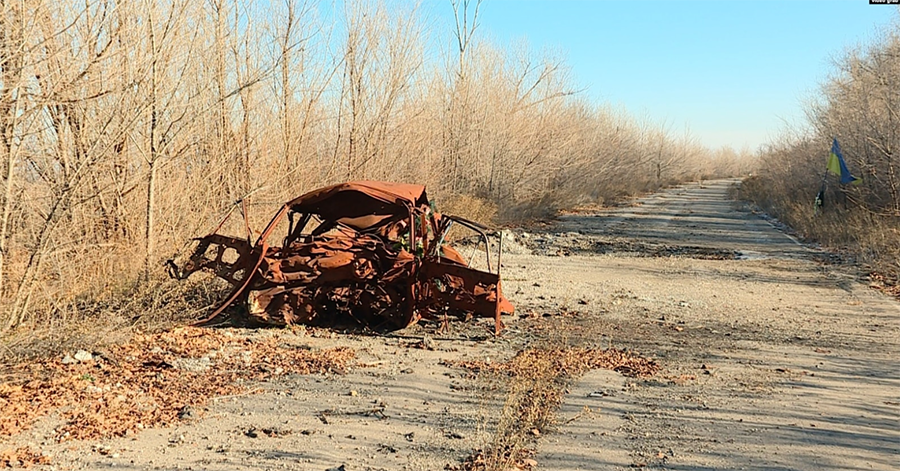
[771, 358]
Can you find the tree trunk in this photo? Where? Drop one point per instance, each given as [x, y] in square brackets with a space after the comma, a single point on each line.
[150, 227]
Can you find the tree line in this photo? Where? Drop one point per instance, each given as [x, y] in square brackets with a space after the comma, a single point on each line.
[129, 126]
[858, 105]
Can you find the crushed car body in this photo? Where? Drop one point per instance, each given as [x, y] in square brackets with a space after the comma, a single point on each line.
[372, 252]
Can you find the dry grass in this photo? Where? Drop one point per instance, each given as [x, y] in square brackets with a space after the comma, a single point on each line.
[535, 382]
[147, 307]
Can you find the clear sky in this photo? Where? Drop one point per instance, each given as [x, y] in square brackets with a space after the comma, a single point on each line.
[732, 72]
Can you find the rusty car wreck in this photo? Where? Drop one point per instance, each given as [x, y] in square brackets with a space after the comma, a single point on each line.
[372, 252]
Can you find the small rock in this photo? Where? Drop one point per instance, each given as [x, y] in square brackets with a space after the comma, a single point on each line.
[192, 364]
[353, 393]
[68, 360]
[339, 468]
[387, 448]
[187, 413]
[275, 432]
[456, 435]
[83, 355]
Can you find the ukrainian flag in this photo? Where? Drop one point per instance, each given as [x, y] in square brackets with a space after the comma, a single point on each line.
[837, 166]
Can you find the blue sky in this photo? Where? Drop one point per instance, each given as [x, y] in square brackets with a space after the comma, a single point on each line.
[732, 72]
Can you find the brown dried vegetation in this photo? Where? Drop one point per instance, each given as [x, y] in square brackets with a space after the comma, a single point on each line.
[22, 457]
[150, 380]
[536, 379]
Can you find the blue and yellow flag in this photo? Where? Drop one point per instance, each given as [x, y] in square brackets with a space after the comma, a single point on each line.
[837, 166]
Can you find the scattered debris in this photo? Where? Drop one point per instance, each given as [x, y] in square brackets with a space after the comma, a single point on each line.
[187, 412]
[323, 418]
[427, 343]
[369, 252]
[571, 243]
[387, 448]
[271, 432]
[888, 283]
[537, 384]
[106, 449]
[22, 457]
[572, 361]
[481, 460]
[98, 399]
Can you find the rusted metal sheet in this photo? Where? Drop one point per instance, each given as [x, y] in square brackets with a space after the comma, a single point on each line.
[368, 251]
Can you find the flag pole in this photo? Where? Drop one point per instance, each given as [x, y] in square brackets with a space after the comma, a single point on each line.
[820, 197]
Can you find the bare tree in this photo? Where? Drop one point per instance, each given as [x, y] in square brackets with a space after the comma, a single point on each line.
[127, 127]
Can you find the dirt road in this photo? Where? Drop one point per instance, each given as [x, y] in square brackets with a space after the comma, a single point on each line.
[770, 359]
[774, 360]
